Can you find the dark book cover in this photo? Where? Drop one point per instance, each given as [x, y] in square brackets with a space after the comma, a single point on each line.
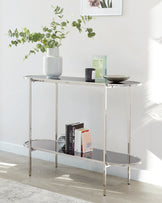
[67, 126]
[69, 136]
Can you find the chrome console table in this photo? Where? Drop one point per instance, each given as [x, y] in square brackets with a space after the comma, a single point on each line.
[107, 158]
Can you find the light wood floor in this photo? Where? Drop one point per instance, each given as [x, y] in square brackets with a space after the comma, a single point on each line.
[76, 182]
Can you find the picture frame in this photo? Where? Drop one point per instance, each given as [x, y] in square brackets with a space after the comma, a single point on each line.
[101, 7]
[99, 63]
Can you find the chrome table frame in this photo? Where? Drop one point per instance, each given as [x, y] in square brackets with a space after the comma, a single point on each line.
[80, 81]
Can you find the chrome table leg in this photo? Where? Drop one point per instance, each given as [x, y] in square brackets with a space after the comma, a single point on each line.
[56, 125]
[129, 133]
[105, 172]
[105, 141]
[30, 127]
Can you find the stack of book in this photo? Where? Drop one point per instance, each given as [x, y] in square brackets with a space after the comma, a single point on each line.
[78, 139]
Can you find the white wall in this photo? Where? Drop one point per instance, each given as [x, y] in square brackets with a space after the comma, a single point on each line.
[132, 45]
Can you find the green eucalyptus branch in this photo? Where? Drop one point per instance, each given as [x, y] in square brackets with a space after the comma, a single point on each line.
[52, 36]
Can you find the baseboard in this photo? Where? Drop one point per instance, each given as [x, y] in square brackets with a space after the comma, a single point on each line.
[136, 174]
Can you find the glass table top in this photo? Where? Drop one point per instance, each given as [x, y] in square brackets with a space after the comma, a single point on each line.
[81, 81]
[112, 158]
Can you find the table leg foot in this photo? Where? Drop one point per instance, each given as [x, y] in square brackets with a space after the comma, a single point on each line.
[128, 175]
[104, 175]
[56, 161]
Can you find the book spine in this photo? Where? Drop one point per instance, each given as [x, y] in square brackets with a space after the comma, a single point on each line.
[74, 128]
[67, 139]
[86, 142]
[78, 141]
[70, 135]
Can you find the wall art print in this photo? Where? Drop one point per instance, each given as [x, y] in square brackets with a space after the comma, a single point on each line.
[101, 7]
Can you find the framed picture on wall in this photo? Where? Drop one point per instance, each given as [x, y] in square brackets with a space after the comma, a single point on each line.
[101, 7]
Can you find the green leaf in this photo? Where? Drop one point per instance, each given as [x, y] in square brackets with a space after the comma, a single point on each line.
[32, 52]
[74, 23]
[89, 30]
[26, 31]
[26, 57]
[22, 40]
[16, 33]
[21, 34]
[89, 17]
[60, 16]
[56, 44]
[92, 34]
[48, 35]
[83, 20]
[43, 49]
[10, 33]
[51, 43]
[53, 36]
[45, 29]
[63, 24]
[39, 46]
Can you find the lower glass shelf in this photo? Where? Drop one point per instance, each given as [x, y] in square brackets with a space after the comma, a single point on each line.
[112, 158]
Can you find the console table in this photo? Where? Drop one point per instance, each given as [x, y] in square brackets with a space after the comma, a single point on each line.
[107, 158]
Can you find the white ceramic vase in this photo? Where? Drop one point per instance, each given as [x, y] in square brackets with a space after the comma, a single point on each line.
[52, 63]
